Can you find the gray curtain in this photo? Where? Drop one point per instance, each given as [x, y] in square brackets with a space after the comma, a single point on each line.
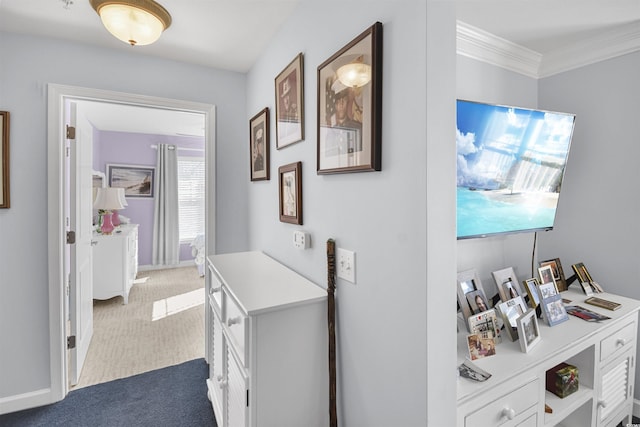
[166, 236]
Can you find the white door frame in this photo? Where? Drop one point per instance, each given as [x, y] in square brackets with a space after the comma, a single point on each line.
[56, 191]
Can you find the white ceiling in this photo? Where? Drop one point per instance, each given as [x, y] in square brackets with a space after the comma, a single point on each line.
[231, 34]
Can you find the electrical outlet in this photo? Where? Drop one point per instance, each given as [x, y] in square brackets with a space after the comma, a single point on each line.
[346, 264]
[301, 240]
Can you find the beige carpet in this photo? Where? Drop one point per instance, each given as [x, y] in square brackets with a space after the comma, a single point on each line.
[128, 341]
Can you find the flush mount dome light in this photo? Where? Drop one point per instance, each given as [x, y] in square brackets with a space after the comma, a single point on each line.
[137, 22]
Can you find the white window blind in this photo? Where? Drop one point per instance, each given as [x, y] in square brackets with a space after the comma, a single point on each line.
[191, 197]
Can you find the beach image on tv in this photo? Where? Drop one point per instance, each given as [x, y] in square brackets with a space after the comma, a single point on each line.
[510, 165]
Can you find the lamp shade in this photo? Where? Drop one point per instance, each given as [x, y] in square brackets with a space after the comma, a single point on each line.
[137, 22]
[108, 199]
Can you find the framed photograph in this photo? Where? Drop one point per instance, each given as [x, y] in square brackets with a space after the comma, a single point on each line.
[259, 145]
[531, 287]
[558, 273]
[553, 310]
[290, 103]
[350, 106]
[290, 184]
[4, 159]
[507, 284]
[137, 181]
[481, 345]
[546, 275]
[510, 311]
[582, 272]
[486, 321]
[528, 330]
[547, 290]
[477, 301]
[469, 284]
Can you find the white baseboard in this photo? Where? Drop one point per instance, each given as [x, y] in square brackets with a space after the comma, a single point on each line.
[149, 267]
[24, 401]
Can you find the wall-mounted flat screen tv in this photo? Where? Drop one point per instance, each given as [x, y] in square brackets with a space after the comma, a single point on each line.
[511, 162]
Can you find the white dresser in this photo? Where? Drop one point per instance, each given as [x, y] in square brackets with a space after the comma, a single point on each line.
[115, 262]
[268, 344]
[515, 395]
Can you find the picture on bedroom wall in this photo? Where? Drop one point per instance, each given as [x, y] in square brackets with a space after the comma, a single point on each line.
[350, 106]
[290, 184]
[4, 159]
[137, 181]
[290, 103]
[259, 145]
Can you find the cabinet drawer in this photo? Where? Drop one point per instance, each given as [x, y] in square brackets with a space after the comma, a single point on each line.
[505, 408]
[617, 341]
[237, 324]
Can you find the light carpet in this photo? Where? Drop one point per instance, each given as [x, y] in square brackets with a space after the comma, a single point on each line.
[128, 341]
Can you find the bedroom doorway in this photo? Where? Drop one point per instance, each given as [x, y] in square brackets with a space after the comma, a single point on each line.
[59, 98]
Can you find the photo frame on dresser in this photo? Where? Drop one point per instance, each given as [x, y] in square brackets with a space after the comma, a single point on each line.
[469, 284]
[558, 273]
[507, 284]
[528, 330]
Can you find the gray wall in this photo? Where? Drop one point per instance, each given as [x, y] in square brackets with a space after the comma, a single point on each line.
[28, 64]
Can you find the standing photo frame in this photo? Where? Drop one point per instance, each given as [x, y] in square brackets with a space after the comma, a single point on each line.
[528, 330]
[137, 181]
[350, 106]
[558, 273]
[259, 146]
[531, 287]
[507, 284]
[4, 160]
[546, 276]
[468, 283]
[290, 185]
[290, 103]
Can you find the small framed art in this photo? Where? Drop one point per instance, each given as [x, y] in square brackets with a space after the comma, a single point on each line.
[558, 273]
[350, 106]
[290, 184]
[469, 284]
[553, 310]
[4, 159]
[259, 145]
[507, 284]
[137, 181]
[531, 287]
[528, 330]
[510, 311]
[546, 275]
[290, 103]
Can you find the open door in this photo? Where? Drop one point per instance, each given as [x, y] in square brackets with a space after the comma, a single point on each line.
[81, 251]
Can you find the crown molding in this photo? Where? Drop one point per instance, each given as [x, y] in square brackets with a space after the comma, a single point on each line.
[486, 47]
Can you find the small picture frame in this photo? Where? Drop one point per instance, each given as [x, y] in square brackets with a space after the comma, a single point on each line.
[290, 103]
[581, 272]
[558, 273]
[259, 146]
[510, 311]
[477, 301]
[4, 160]
[481, 345]
[528, 330]
[553, 310]
[546, 275]
[531, 287]
[507, 284]
[547, 290]
[290, 185]
[486, 321]
[350, 106]
[468, 282]
[137, 181]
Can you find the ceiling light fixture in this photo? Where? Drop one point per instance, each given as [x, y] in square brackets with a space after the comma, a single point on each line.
[137, 22]
[355, 74]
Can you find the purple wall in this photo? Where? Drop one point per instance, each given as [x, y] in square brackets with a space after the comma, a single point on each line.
[135, 149]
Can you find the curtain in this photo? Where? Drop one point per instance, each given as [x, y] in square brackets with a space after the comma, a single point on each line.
[166, 236]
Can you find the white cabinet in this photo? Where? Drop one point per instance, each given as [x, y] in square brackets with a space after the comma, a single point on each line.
[268, 339]
[115, 262]
[515, 395]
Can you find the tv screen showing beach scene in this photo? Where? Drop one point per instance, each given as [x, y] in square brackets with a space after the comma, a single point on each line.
[510, 166]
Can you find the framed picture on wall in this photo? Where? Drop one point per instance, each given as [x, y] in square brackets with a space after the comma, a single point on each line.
[4, 159]
[137, 181]
[259, 145]
[350, 106]
[290, 185]
[290, 103]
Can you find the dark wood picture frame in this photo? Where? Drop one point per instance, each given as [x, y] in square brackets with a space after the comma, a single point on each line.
[558, 273]
[137, 181]
[4, 160]
[259, 147]
[349, 137]
[290, 191]
[290, 103]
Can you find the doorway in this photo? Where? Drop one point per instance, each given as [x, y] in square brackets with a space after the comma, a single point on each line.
[59, 286]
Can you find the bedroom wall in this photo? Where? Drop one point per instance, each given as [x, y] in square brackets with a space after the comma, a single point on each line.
[28, 65]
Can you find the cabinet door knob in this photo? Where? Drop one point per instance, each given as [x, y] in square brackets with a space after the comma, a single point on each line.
[233, 321]
[94, 242]
[222, 384]
[621, 342]
[214, 290]
[508, 413]
[219, 378]
[602, 403]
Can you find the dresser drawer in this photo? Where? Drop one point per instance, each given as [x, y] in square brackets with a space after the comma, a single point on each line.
[505, 408]
[622, 338]
[237, 324]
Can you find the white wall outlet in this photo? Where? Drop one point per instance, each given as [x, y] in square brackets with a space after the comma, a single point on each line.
[346, 264]
[301, 240]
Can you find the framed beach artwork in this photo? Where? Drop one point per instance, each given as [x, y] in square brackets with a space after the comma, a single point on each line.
[137, 181]
[4, 159]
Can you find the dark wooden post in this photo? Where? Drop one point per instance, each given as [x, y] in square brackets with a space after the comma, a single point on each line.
[331, 272]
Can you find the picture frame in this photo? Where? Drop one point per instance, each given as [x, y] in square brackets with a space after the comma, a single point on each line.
[528, 330]
[553, 310]
[259, 146]
[290, 103]
[507, 284]
[510, 311]
[477, 301]
[486, 321]
[581, 272]
[546, 276]
[137, 181]
[349, 121]
[547, 290]
[468, 282]
[290, 191]
[558, 273]
[531, 287]
[481, 345]
[5, 200]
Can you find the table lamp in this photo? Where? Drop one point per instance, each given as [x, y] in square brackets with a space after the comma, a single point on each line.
[108, 201]
[115, 218]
